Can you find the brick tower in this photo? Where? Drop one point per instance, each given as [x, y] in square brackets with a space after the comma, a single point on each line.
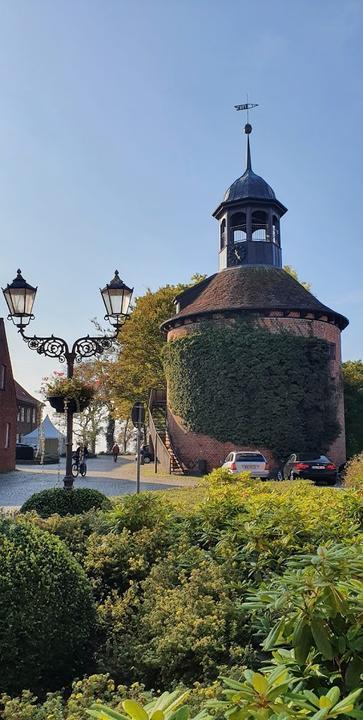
[251, 282]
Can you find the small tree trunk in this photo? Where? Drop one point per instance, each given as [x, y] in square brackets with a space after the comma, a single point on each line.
[110, 432]
[125, 435]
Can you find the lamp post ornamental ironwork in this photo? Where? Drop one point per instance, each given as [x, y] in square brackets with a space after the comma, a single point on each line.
[20, 297]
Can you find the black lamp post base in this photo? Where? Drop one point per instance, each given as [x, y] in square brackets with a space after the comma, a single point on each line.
[68, 481]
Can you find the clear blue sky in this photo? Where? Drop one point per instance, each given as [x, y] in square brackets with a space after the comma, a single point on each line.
[118, 138]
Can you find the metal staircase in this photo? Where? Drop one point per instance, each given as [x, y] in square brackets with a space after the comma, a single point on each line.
[165, 454]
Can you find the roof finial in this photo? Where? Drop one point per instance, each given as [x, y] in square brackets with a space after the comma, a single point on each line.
[248, 128]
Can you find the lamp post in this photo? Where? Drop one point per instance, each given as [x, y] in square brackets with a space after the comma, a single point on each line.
[20, 298]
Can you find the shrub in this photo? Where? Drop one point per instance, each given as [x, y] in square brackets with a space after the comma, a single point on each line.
[114, 561]
[316, 608]
[71, 705]
[354, 473]
[47, 613]
[65, 502]
[183, 627]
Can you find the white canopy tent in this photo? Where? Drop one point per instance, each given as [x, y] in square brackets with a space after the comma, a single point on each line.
[47, 440]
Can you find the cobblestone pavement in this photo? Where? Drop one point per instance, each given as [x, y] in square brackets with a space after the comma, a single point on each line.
[102, 474]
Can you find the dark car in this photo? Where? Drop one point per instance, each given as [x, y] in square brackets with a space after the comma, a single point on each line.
[146, 455]
[311, 467]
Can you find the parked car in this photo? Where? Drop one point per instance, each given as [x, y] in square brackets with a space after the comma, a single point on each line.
[310, 467]
[146, 455]
[24, 453]
[242, 461]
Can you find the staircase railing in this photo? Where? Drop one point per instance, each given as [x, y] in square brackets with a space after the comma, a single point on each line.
[164, 453]
[161, 453]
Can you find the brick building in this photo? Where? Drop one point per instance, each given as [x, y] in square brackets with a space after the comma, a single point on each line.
[251, 281]
[29, 411]
[7, 406]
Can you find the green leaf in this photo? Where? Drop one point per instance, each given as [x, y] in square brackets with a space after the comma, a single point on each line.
[259, 683]
[354, 672]
[181, 714]
[135, 710]
[273, 635]
[321, 638]
[301, 641]
[347, 703]
[96, 710]
[334, 694]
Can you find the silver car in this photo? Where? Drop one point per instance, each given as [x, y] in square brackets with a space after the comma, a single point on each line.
[242, 461]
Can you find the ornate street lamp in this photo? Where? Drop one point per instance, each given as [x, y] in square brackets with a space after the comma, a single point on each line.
[20, 298]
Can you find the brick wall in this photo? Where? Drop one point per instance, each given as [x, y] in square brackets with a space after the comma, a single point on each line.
[193, 446]
[7, 407]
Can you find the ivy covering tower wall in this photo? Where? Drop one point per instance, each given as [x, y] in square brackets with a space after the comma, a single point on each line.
[245, 385]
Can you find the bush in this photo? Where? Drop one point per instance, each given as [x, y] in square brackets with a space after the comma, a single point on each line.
[65, 502]
[354, 473]
[73, 705]
[47, 613]
[183, 627]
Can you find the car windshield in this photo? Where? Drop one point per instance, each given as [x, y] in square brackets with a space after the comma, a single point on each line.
[249, 457]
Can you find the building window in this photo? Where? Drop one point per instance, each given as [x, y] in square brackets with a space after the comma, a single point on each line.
[18, 436]
[28, 415]
[22, 414]
[7, 435]
[34, 419]
[2, 377]
[18, 415]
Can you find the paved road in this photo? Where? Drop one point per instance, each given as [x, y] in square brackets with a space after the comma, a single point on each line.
[102, 474]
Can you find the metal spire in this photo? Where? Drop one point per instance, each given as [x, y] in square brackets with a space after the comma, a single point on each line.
[248, 129]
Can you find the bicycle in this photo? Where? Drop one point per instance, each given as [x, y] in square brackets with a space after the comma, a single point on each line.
[79, 467]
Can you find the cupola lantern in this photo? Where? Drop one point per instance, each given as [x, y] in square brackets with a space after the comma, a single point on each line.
[249, 220]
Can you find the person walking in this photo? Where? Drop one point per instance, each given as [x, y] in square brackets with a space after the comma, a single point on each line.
[115, 452]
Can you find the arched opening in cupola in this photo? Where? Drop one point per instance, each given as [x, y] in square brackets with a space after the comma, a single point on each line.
[238, 227]
[222, 236]
[276, 230]
[260, 226]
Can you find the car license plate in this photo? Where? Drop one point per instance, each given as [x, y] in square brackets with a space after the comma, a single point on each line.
[318, 467]
[248, 466]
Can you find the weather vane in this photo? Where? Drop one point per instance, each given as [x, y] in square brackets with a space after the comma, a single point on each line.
[246, 106]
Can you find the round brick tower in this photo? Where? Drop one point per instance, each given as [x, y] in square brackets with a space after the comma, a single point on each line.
[251, 282]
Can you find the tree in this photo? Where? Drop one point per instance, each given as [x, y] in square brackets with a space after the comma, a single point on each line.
[353, 399]
[291, 271]
[139, 366]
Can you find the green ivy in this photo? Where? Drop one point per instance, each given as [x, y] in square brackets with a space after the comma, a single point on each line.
[245, 385]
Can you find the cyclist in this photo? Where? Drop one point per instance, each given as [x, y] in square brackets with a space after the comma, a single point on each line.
[80, 457]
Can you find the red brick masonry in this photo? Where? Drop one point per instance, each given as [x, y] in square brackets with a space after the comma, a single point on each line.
[7, 406]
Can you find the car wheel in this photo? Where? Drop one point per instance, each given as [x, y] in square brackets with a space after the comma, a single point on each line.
[332, 482]
[146, 460]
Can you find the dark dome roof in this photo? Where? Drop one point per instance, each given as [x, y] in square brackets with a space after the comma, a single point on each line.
[249, 185]
[250, 288]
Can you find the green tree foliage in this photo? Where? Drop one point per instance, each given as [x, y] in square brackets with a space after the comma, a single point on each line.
[245, 385]
[47, 614]
[291, 271]
[139, 366]
[353, 400]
